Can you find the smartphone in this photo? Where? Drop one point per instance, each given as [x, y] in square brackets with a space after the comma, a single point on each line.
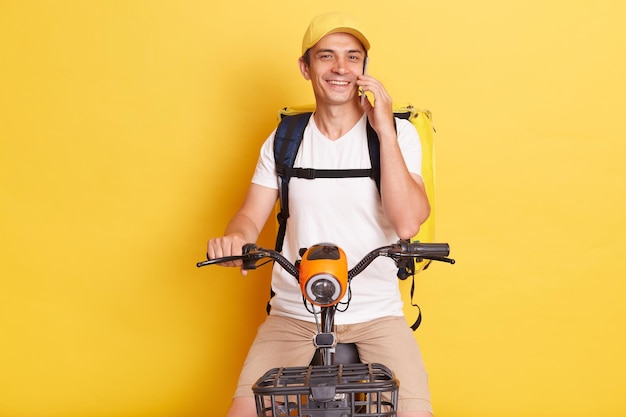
[367, 60]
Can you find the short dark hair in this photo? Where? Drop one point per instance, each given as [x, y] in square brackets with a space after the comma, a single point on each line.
[307, 57]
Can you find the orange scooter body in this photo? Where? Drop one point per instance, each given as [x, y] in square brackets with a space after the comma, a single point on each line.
[324, 274]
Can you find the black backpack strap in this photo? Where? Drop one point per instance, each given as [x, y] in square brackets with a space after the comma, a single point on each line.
[406, 269]
[418, 320]
[311, 174]
[287, 140]
[373, 145]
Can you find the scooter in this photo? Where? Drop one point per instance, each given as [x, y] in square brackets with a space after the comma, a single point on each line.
[335, 383]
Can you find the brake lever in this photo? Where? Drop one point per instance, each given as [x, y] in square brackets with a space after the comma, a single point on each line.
[406, 268]
[249, 260]
[218, 260]
[440, 259]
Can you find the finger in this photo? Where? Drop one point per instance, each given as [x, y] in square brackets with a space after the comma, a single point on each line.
[223, 247]
[236, 246]
[212, 250]
[365, 102]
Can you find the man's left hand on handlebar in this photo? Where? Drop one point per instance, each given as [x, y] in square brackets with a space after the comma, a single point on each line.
[229, 245]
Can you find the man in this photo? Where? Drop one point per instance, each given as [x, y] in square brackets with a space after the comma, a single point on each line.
[349, 212]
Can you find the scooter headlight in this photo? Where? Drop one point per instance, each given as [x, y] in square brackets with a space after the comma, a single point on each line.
[323, 289]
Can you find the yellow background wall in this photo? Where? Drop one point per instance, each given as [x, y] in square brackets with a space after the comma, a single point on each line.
[128, 134]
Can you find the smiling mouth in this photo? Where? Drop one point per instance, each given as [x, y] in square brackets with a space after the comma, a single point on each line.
[338, 83]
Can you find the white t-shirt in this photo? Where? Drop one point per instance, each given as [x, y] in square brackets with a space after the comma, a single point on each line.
[344, 211]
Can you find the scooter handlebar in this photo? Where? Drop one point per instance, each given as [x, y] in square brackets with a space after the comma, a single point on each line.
[403, 249]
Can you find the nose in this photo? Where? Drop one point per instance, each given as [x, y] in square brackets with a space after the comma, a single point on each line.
[340, 66]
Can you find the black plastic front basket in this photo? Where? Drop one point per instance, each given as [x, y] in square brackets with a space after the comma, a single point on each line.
[364, 390]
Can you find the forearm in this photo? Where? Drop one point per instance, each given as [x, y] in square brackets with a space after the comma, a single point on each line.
[404, 198]
[242, 226]
[253, 213]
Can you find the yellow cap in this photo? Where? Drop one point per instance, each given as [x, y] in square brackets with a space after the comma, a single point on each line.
[328, 23]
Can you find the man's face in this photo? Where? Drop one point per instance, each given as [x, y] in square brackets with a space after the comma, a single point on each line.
[335, 62]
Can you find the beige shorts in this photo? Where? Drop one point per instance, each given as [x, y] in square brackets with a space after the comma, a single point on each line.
[285, 342]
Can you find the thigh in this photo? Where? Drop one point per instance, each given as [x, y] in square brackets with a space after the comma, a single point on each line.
[280, 342]
[391, 342]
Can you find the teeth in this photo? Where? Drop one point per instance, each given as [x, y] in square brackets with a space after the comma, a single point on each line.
[338, 82]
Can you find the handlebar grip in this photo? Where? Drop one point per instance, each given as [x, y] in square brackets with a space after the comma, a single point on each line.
[429, 249]
[248, 262]
[247, 248]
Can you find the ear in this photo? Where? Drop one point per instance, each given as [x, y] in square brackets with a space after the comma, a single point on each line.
[304, 69]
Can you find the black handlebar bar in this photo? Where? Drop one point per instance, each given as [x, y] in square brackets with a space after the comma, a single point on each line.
[402, 250]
